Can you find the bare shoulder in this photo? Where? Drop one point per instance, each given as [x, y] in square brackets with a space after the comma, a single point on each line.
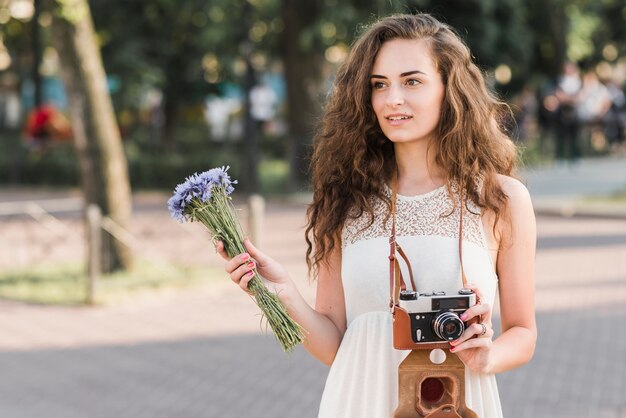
[519, 214]
[514, 189]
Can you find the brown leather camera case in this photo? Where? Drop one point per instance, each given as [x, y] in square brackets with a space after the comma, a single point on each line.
[412, 373]
[402, 334]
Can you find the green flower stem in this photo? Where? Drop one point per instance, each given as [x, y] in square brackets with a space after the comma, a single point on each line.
[218, 215]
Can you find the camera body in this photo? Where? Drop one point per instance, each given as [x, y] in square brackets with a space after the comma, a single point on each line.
[435, 317]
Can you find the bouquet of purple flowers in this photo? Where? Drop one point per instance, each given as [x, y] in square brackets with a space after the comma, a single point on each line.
[205, 198]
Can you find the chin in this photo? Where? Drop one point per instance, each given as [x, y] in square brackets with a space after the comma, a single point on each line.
[406, 137]
[401, 139]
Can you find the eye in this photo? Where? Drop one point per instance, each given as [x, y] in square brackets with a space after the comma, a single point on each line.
[377, 85]
[413, 82]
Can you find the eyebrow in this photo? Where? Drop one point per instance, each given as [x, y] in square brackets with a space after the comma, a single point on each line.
[401, 75]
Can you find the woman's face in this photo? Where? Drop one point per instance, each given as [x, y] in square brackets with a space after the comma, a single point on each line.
[407, 91]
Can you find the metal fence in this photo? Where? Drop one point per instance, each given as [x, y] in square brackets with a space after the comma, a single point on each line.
[50, 232]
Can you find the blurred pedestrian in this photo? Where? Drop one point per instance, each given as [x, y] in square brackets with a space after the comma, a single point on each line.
[46, 124]
[409, 111]
[593, 103]
[525, 107]
[615, 118]
[567, 123]
[263, 102]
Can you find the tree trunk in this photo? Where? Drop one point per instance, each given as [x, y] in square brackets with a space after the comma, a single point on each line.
[103, 165]
[303, 67]
[549, 24]
[172, 93]
[170, 119]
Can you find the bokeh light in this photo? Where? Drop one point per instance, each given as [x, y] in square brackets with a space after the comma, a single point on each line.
[22, 9]
[503, 74]
[336, 53]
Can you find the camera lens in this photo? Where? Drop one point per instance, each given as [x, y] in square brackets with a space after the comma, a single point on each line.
[448, 326]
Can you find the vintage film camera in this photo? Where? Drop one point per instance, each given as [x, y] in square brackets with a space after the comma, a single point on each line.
[435, 317]
[432, 384]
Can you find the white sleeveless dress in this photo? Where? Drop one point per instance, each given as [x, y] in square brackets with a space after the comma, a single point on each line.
[363, 379]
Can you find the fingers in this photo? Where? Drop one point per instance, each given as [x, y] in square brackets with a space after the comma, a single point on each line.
[257, 254]
[245, 279]
[473, 343]
[219, 248]
[481, 310]
[234, 263]
[465, 341]
[241, 267]
[244, 272]
[476, 290]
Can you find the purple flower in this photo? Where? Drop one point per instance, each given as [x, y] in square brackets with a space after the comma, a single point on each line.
[201, 188]
[176, 206]
[204, 198]
[219, 176]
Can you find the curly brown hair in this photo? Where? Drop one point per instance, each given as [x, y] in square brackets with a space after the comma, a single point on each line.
[353, 160]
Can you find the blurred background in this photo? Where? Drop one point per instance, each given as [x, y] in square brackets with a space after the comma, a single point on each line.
[110, 308]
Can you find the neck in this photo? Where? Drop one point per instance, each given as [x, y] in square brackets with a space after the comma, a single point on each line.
[417, 171]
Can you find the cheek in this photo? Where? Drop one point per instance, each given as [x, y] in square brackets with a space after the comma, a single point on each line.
[377, 105]
[431, 107]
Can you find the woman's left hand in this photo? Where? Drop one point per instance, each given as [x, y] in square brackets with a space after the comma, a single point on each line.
[475, 352]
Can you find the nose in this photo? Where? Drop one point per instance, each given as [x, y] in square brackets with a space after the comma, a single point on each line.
[395, 97]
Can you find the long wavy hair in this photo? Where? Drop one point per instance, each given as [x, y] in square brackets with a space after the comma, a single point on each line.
[353, 160]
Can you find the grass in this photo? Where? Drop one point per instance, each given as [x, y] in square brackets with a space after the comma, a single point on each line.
[66, 284]
[534, 152]
[618, 197]
[273, 176]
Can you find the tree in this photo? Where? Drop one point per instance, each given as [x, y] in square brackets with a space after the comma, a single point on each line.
[103, 166]
[549, 24]
[174, 46]
[303, 66]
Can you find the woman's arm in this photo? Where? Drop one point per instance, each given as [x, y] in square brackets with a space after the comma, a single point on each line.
[325, 325]
[515, 266]
[516, 273]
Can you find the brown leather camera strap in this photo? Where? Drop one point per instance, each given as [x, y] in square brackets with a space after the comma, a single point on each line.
[396, 279]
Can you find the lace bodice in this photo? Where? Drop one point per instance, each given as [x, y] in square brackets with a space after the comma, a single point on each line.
[429, 214]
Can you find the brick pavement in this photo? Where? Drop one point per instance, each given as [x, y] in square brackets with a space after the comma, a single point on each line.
[578, 369]
[200, 353]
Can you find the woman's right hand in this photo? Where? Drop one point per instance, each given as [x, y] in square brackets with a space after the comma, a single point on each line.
[241, 267]
[324, 328]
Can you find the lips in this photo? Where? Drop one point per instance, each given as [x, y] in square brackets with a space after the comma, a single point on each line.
[398, 118]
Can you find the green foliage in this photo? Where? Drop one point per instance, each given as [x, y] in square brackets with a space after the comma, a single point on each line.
[165, 44]
[149, 167]
[583, 26]
[187, 49]
[534, 153]
[274, 176]
[52, 284]
[73, 10]
[168, 39]
[55, 164]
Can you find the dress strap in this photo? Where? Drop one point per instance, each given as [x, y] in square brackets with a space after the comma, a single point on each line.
[396, 279]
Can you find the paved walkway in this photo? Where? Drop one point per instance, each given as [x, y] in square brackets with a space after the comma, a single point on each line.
[200, 352]
[579, 189]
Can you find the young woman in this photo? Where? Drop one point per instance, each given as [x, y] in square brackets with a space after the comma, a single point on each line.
[409, 99]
